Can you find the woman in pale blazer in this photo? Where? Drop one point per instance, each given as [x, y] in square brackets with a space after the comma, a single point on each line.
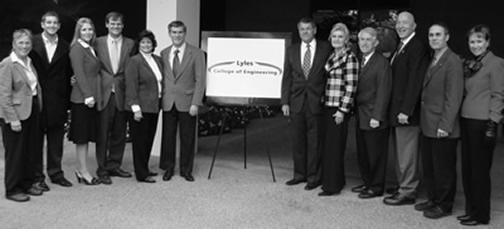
[481, 112]
[143, 92]
[20, 104]
[86, 67]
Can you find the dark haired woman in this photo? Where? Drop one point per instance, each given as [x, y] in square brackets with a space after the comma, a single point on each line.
[143, 90]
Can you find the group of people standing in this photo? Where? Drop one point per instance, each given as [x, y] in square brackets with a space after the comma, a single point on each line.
[107, 83]
[423, 99]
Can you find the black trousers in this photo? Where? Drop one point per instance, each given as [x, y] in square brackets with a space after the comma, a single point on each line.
[306, 150]
[111, 137]
[477, 156]
[372, 151]
[439, 164]
[335, 138]
[142, 137]
[187, 123]
[54, 137]
[21, 152]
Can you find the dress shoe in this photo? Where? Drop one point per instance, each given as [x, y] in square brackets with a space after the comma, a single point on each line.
[187, 176]
[62, 182]
[435, 212]
[118, 172]
[359, 189]
[152, 174]
[464, 217]
[93, 181]
[396, 200]
[472, 222]
[167, 175]
[327, 193]
[311, 186]
[33, 191]
[18, 197]
[368, 194]
[295, 181]
[105, 179]
[424, 205]
[148, 180]
[42, 185]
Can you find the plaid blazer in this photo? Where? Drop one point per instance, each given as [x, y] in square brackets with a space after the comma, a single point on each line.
[341, 86]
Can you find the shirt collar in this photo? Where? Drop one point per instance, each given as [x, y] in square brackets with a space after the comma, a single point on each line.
[312, 44]
[405, 41]
[110, 38]
[146, 55]
[83, 43]
[181, 48]
[47, 41]
[367, 57]
[439, 54]
[15, 59]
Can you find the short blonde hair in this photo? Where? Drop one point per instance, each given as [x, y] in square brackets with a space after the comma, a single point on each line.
[341, 27]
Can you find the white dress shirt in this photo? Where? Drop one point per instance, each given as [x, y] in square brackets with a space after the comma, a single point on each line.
[180, 54]
[50, 46]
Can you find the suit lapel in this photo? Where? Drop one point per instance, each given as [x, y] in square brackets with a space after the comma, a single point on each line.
[124, 48]
[22, 72]
[59, 52]
[297, 59]
[168, 66]
[369, 63]
[39, 48]
[434, 69]
[185, 60]
[103, 47]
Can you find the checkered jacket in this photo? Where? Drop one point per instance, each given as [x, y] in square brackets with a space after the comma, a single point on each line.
[341, 85]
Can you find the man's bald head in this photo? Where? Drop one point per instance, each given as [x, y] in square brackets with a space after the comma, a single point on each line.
[405, 24]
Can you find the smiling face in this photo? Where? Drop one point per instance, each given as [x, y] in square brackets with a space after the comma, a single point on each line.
[22, 46]
[338, 39]
[50, 25]
[438, 38]
[367, 43]
[405, 25]
[145, 45]
[86, 32]
[306, 32]
[177, 35]
[115, 27]
[478, 44]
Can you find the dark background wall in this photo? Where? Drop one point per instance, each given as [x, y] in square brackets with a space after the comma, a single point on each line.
[15, 14]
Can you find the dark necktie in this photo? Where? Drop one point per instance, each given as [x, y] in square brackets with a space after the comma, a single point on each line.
[306, 61]
[399, 47]
[176, 63]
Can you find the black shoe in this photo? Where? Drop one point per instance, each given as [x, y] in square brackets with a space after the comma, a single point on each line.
[93, 180]
[187, 176]
[472, 222]
[295, 181]
[152, 174]
[464, 217]
[396, 200]
[327, 193]
[167, 175]
[368, 194]
[148, 180]
[311, 186]
[359, 189]
[424, 205]
[62, 182]
[33, 191]
[104, 179]
[118, 172]
[42, 185]
[18, 197]
[436, 212]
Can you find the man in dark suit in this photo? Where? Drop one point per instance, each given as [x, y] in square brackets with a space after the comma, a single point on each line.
[184, 85]
[303, 85]
[409, 64]
[372, 100]
[50, 59]
[113, 50]
[439, 121]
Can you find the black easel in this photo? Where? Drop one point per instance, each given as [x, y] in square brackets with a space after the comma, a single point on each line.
[224, 117]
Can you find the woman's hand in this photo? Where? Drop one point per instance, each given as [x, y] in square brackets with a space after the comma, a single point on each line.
[16, 126]
[339, 117]
[137, 116]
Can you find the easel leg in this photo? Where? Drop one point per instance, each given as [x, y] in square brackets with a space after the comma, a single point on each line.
[218, 142]
[245, 143]
[268, 150]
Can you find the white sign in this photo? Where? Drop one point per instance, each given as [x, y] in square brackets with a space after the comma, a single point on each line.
[245, 67]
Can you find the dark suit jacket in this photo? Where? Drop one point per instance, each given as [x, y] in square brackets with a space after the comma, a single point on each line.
[107, 74]
[188, 86]
[54, 79]
[373, 92]
[141, 84]
[295, 86]
[86, 68]
[15, 92]
[442, 96]
[408, 71]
